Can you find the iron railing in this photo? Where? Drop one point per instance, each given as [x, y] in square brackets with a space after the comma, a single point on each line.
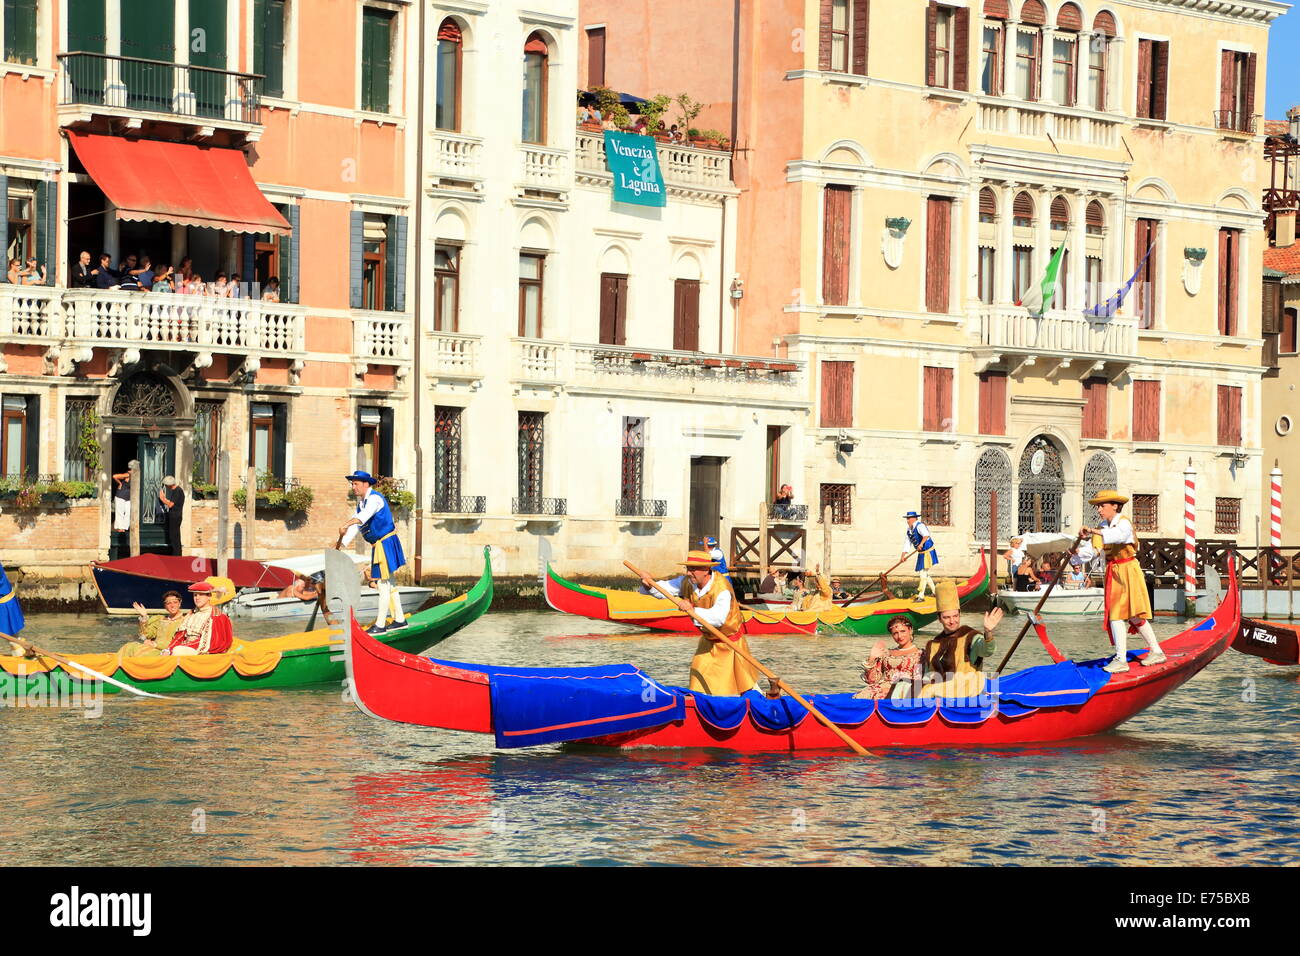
[640, 508]
[178, 89]
[793, 513]
[1239, 122]
[458, 504]
[540, 506]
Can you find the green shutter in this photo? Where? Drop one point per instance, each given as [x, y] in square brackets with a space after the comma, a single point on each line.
[20, 31]
[273, 54]
[376, 47]
[147, 34]
[4, 228]
[209, 89]
[47, 225]
[86, 34]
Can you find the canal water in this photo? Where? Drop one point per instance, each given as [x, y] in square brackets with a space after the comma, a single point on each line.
[1208, 776]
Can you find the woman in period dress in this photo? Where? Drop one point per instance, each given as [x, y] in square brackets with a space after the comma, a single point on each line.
[892, 672]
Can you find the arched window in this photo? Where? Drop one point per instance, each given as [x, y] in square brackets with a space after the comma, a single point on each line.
[1099, 474]
[1033, 12]
[988, 205]
[1103, 28]
[1042, 486]
[1022, 211]
[447, 108]
[1060, 213]
[1095, 221]
[536, 55]
[992, 473]
[1069, 17]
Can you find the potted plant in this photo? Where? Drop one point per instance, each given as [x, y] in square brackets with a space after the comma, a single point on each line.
[203, 490]
[611, 108]
[687, 110]
[88, 441]
[653, 110]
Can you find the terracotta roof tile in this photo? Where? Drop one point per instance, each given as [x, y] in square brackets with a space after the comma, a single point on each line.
[1276, 127]
[1283, 260]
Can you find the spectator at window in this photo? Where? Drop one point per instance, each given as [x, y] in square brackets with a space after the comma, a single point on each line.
[83, 272]
[639, 126]
[784, 500]
[271, 291]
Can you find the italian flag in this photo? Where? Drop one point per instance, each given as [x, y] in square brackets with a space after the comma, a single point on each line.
[1037, 297]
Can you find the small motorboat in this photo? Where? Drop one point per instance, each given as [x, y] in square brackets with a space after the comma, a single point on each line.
[269, 606]
[1062, 602]
[145, 578]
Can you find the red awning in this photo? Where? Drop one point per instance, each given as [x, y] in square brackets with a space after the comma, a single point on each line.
[182, 183]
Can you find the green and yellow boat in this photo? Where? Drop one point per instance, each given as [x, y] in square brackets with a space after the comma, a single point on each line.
[292, 660]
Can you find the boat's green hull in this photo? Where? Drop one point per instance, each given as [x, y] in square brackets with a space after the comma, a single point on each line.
[302, 667]
[879, 623]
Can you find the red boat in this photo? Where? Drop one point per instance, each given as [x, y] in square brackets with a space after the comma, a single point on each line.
[1277, 643]
[147, 577]
[406, 688]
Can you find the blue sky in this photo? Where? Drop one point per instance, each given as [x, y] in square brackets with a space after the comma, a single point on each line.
[1283, 64]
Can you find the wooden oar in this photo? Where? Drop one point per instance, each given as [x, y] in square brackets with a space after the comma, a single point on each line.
[1039, 606]
[883, 576]
[736, 649]
[68, 662]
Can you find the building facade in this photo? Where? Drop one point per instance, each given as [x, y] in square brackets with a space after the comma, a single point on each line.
[236, 137]
[909, 172]
[580, 378]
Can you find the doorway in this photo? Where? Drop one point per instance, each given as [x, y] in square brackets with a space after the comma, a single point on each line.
[706, 499]
[157, 457]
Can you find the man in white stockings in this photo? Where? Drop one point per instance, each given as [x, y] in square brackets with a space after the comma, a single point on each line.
[374, 519]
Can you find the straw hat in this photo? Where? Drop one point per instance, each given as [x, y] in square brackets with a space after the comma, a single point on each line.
[698, 559]
[1108, 497]
[221, 589]
[946, 595]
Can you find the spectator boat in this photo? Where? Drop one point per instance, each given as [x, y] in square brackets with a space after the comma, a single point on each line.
[1062, 602]
[620, 706]
[269, 606]
[146, 577]
[292, 660]
[650, 611]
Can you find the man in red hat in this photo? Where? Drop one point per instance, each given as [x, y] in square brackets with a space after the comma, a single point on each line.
[715, 669]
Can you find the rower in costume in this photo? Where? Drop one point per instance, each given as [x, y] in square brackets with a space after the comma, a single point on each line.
[952, 661]
[206, 630]
[719, 559]
[918, 536]
[374, 519]
[715, 669]
[11, 615]
[1128, 606]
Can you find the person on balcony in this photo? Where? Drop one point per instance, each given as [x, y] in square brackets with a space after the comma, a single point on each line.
[1128, 606]
[32, 273]
[145, 274]
[236, 287]
[715, 669]
[271, 291]
[128, 272]
[162, 280]
[221, 287]
[784, 500]
[106, 276]
[83, 273]
[374, 519]
[927, 557]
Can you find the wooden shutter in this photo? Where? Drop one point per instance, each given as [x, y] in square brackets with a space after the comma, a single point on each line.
[824, 21]
[1271, 316]
[386, 441]
[1224, 280]
[1023, 207]
[993, 403]
[1096, 217]
[1244, 125]
[1227, 84]
[837, 232]
[1095, 395]
[395, 268]
[936, 385]
[938, 253]
[931, 41]
[1104, 23]
[1034, 12]
[1234, 281]
[861, 18]
[961, 53]
[613, 309]
[996, 10]
[837, 395]
[1069, 17]
[32, 434]
[356, 245]
[1146, 411]
[596, 57]
[1144, 78]
[1229, 415]
[279, 439]
[1160, 79]
[686, 315]
[988, 203]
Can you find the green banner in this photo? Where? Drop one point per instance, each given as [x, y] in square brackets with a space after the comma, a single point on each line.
[634, 163]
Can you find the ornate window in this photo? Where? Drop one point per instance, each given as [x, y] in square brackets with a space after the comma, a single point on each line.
[1098, 475]
[531, 448]
[633, 459]
[1042, 486]
[936, 506]
[447, 107]
[446, 459]
[76, 412]
[992, 473]
[207, 441]
[1227, 515]
[145, 395]
[1146, 513]
[840, 500]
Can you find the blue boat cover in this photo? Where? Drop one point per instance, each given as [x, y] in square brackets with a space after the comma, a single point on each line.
[532, 706]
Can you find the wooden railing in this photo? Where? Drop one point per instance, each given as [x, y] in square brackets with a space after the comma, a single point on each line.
[786, 547]
[1163, 558]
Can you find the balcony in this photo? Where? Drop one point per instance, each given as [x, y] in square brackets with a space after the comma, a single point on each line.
[787, 514]
[455, 357]
[94, 84]
[539, 507]
[1230, 121]
[685, 168]
[458, 505]
[545, 172]
[116, 319]
[640, 508]
[1065, 124]
[457, 161]
[381, 338]
[1061, 337]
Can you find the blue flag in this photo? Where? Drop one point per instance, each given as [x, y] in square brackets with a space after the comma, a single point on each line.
[11, 615]
[1112, 305]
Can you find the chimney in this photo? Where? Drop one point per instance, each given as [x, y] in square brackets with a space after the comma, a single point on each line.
[1285, 231]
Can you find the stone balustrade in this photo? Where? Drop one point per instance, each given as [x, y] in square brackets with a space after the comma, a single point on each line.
[1014, 329]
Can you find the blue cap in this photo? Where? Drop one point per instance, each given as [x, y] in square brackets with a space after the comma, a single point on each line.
[362, 476]
[911, 514]
[709, 541]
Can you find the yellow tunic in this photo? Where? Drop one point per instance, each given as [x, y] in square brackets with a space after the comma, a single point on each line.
[819, 601]
[966, 680]
[715, 669]
[1126, 586]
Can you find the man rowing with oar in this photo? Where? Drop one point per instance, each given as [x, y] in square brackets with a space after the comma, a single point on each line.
[374, 519]
[714, 668]
[1128, 606]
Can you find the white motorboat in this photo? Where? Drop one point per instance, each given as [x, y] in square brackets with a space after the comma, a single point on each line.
[269, 606]
[1062, 601]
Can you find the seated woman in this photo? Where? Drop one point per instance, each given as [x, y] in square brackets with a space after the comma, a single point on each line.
[894, 672]
[1075, 575]
[952, 660]
[157, 631]
[818, 596]
[206, 630]
[303, 588]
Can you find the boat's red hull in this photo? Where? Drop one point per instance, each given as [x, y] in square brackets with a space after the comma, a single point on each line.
[410, 689]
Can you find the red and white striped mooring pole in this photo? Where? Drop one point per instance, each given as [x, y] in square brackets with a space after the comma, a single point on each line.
[1275, 507]
[1189, 539]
